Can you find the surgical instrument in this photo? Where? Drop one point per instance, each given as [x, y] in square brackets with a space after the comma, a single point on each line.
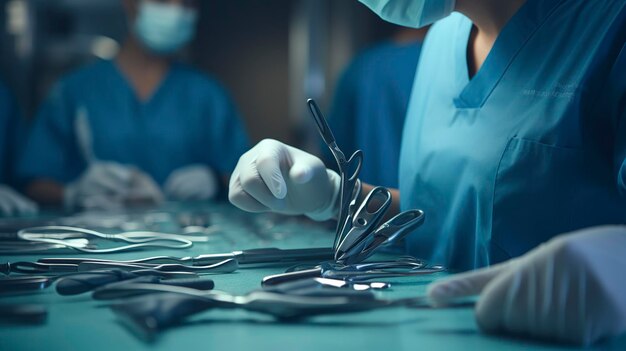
[365, 220]
[391, 231]
[74, 238]
[357, 272]
[325, 283]
[117, 290]
[78, 283]
[36, 268]
[243, 257]
[349, 169]
[357, 235]
[225, 266]
[283, 305]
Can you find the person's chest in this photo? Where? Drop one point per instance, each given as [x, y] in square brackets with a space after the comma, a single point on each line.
[125, 129]
[534, 86]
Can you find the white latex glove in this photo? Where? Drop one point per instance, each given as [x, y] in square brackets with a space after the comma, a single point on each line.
[12, 203]
[195, 182]
[276, 177]
[109, 185]
[571, 289]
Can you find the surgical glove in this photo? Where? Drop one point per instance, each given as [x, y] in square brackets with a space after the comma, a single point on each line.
[569, 290]
[12, 203]
[276, 177]
[195, 182]
[110, 185]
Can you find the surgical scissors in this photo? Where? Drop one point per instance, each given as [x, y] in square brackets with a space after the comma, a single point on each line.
[392, 231]
[358, 236]
[150, 316]
[365, 220]
[349, 169]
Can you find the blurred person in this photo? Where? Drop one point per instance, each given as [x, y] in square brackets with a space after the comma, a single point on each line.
[11, 202]
[136, 129]
[370, 103]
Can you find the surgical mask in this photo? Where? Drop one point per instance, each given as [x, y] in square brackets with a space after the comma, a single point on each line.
[411, 13]
[165, 28]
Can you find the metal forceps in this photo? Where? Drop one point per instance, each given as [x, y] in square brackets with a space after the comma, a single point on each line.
[349, 170]
[79, 239]
[365, 220]
[402, 267]
[391, 231]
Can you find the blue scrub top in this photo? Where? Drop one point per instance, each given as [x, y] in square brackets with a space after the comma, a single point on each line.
[532, 146]
[10, 132]
[188, 120]
[369, 107]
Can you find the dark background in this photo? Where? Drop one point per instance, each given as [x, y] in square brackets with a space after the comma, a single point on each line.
[271, 54]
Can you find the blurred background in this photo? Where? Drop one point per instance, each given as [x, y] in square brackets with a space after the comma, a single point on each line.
[271, 54]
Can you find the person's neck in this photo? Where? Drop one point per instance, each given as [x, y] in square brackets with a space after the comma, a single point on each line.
[489, 16]
[143, 69]
[409, 36]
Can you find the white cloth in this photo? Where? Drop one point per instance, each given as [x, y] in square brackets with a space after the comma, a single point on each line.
[276, 177]
[571, 289]
[194, 182]
[110, 185]
[12, 203]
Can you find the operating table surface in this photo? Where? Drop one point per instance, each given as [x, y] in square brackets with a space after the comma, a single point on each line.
[80, 323]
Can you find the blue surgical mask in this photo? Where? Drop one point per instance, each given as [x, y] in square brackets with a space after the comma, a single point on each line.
[411, 13]
[164, 28]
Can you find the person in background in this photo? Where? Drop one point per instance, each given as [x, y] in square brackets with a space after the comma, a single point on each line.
[11, 202]
[370, 104]
[136, 129]
[515, 134]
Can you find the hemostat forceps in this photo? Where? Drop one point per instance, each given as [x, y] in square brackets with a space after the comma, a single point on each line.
[358, 236]
[349, 169]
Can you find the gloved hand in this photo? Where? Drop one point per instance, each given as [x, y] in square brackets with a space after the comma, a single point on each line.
[12, 203]
[571, 289]
[195, 182]
[276, 177]
[110, 185]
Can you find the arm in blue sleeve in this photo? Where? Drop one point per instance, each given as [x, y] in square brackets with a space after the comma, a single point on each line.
[228, 136]
[618, 96]
[50, 151]
[6, 117]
